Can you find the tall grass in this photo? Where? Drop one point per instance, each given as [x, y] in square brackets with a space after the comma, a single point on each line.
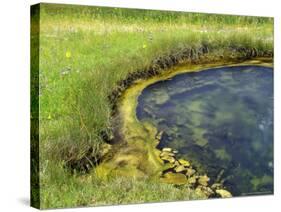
[84, 53]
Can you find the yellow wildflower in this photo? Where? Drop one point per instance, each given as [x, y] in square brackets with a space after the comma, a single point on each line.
[144, 46]
[68, 54]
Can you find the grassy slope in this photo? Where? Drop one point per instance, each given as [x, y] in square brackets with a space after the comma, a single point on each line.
[84, 51]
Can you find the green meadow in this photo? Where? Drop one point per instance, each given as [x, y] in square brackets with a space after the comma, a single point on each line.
[84, 52]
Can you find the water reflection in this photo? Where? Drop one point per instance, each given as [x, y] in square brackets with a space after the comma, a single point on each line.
[222, 120]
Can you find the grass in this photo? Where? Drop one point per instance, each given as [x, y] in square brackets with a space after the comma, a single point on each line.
[84, 53]
[77, 191]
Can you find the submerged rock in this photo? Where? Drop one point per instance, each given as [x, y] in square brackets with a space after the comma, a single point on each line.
[174, 178]
[164, 154]
[223, 193]
[168, 158]
[180, 168]
[166, 149]
[162, 98]
[216, 186]
[177, 163]
[192, 180]
[184, 162]
[203, 180]
[190, 172]
[180, 171]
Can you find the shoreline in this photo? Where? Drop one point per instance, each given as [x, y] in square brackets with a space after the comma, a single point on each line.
[139, 139]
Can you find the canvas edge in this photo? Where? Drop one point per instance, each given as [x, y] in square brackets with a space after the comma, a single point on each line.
[34, 105]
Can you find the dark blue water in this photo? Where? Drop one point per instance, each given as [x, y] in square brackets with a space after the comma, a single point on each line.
[220, 119]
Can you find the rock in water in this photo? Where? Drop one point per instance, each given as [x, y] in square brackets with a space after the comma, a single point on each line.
[216, 186]
[180, 168]
[174, 178]
[203, 180]
[184, 162]
[169, 159]
[223, 193]
[190, 172]
[164, 154]
[192, 180]
[167, 149]
[177, 163]
[162, 98]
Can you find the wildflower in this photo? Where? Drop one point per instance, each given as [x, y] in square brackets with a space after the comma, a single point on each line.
[49, 117]
[144, 46]
[68, 54]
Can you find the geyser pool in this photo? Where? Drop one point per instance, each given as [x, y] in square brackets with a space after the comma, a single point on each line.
[221, 119]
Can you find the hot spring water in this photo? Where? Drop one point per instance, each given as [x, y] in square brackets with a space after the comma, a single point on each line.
[221, 119]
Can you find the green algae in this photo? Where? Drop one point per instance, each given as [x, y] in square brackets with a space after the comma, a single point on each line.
[174, 178]
[208, 134]
[222, 154]
[136, 155]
